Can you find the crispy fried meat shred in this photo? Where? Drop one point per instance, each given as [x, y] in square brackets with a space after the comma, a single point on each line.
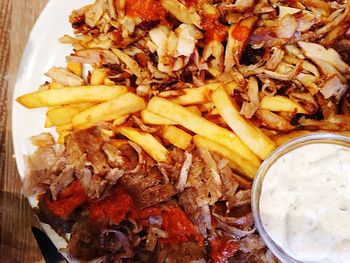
[120, 205]
[199, 187]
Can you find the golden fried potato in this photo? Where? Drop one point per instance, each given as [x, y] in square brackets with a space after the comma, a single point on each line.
[236, 161]
[177, 137]
[201, 126]
[281, 103]
[155, 119]
[70, 95]
[61, 115]
[48, 123]
[121, 120]
[55, 85]
[118, 142]
[256, 140]
[148, 143]
[194, 96]
[110, 110]
[98, 77]
[66, 127]
[62, 135]
[75, 67]
[195, 110]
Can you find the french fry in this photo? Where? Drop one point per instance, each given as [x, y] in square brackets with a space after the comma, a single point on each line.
[148, 143]
[195, 110]
[61, 137]
[70, 95]
[120, 120]
[45, 86]
[231, 87]
[107, 133]
[177, 137]
[209, 108]
[281, 103]
[153, 118]
[194, 96]
[66, 127]
[82, 106]
[118, 142]
[110, 110]
[48, 123]
[201, 126]
[55, 85]
[98, 77]
[75, 67]
[108, 82]
[236, 161]
[61, 115]
[256, 140]
[243, 182]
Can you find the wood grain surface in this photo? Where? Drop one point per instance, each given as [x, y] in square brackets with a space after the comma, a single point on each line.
[16, 240]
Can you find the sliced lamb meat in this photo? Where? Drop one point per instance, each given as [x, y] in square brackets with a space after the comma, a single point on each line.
[90, 241]
[39, 175]
[154, 195]
[62, 181]
[83, 243]
[91, 146]
[147, 188]
[96, 187]
[43, 139]
[75, 156]
[250, 243]
[229, 184]
[140, 181]
[200, 216]
[171, 172]
[253, 249]
[186, 252]
[115, 158]
[45, 215]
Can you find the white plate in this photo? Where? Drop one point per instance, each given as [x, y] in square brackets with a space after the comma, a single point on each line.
[41, 53]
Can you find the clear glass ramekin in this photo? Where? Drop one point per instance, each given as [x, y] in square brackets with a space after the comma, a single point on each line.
[258, 181]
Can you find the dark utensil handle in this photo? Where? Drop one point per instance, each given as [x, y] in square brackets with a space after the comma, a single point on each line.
[47, 248]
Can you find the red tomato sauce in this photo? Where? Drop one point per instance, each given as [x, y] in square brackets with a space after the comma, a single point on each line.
[241, 33]
[179, 227]
[145, 9]
[144, 215]
[214, 30]
[174, 222]
[222, 249]
[68, 200]
[113, 208]
[118, 205]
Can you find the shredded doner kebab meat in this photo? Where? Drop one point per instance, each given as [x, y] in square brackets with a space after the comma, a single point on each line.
[158, 144]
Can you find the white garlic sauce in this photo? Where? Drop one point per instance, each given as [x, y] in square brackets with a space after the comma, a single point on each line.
[305, 203]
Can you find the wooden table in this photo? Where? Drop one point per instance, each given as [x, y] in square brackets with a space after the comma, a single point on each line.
[16, 241]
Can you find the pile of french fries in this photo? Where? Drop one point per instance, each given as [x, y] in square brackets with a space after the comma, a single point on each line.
[179, 120]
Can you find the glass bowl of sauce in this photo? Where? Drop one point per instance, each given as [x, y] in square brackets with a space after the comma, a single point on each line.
[301, 200]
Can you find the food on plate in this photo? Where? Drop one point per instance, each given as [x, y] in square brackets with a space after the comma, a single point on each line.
[70, 95]
[165, 112]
